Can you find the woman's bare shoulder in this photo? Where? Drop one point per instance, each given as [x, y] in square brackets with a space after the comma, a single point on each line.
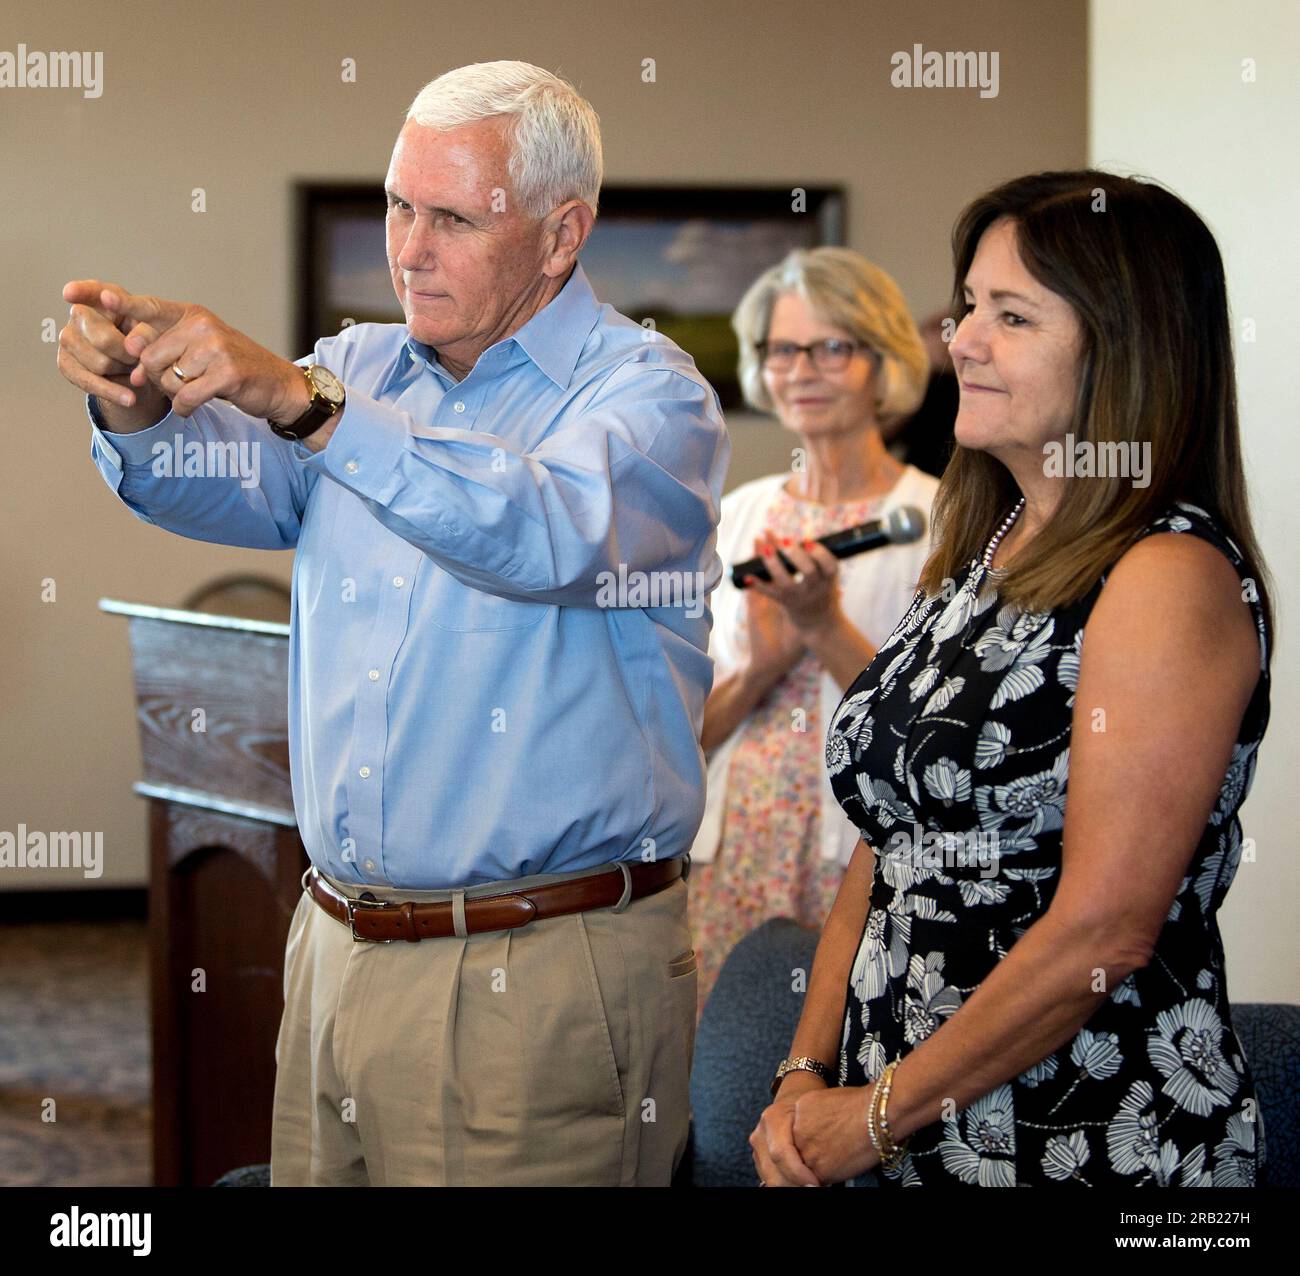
[1181, 594]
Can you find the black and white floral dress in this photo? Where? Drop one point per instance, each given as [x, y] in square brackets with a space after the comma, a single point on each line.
[951, 753]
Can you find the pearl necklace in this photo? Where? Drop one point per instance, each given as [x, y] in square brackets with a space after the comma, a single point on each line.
[992, 547]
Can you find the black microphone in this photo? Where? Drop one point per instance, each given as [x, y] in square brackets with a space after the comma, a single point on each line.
[905, 524]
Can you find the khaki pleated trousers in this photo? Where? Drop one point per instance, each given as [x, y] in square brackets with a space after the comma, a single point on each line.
[556, 1053]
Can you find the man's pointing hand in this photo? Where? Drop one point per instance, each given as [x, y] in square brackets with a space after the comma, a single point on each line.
[218, 361]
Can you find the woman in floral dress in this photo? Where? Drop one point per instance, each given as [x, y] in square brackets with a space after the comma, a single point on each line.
[1015, 988]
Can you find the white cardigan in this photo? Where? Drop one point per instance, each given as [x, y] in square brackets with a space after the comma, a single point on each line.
[878, 586]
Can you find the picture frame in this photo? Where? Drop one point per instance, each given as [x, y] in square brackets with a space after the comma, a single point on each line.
[677, 259]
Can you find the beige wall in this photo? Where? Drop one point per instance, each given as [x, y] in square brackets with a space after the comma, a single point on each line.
[241, 99]
[1168, 99]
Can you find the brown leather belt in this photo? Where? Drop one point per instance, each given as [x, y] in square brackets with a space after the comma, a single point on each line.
[385, 922]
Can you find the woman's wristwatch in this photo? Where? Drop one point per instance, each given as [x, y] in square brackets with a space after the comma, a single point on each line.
[802, 1064]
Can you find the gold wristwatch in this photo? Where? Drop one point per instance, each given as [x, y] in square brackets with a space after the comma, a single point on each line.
[327, 398]
[802, 1064]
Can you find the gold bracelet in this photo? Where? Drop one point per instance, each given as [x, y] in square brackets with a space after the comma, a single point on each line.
[871, 1118]
[891, 1153]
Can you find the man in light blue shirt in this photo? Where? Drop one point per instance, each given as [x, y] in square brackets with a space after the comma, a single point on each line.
[505, 537]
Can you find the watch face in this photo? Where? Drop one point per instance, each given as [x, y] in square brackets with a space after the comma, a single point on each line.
[327, 384]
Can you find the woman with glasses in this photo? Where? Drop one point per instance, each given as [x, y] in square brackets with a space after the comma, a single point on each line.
[828, 345]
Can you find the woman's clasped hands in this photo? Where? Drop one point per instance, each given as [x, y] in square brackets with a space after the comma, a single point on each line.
[813, 1134]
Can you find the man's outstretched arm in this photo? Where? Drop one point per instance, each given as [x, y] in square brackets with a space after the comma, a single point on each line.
[220, 475]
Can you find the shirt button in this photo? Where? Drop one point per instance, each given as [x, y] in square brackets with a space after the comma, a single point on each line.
[374, 675]
[399, 581]
[459, 406]
[369, 866]
[351, 467]
[364, 773]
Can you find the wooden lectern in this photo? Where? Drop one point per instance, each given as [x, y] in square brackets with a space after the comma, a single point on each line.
[225, 876]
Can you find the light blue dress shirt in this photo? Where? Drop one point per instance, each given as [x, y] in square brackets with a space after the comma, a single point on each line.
[468, 700]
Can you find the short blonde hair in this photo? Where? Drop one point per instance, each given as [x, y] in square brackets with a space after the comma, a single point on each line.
[842, 287]
[555, 153]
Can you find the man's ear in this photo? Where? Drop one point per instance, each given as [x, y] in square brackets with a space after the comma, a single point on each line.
[567, 230]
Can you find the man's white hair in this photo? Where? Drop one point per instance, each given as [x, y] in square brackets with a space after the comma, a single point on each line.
[555, 140]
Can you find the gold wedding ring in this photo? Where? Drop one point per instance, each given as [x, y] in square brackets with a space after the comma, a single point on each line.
[177, 373]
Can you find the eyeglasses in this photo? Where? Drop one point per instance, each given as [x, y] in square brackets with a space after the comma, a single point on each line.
[831, 355]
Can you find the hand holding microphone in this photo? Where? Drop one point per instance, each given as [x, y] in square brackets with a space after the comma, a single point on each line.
[803, 581]
[802, 578]
[903, 525]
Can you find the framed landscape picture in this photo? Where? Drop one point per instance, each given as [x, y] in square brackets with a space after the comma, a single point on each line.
[342, 265]
[677, 257]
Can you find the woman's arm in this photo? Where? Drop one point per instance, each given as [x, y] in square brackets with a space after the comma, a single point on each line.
[843, 649]
[815, 610]
[732, 700]
[822, 1019]
[1170, 660]
[775, 647]
[818, 1035]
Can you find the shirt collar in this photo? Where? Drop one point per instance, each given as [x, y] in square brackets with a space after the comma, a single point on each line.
[553, 338]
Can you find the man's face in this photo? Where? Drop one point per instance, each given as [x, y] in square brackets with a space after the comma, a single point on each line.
[464, 259]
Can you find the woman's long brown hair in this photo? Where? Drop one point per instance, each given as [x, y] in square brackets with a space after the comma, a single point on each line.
[1144, 276]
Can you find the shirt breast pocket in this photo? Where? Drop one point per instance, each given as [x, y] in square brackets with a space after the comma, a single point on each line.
[465, 609]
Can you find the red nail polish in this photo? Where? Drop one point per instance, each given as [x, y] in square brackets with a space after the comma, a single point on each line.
[808, 544]
[785, 540]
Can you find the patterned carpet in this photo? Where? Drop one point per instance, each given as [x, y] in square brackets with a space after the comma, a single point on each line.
[74, 1028]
